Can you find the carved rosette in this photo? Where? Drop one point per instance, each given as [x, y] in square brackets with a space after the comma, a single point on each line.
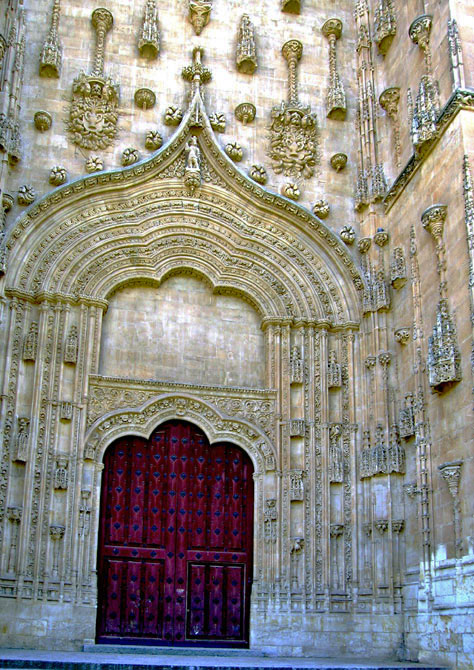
[338, 162]
[94, 109]
[145, 98]
[246, 57]
[245, 112]
[321, 209]
[335, 97]
[199, 14]
[293, 128]
[234, 151]
[43, 121]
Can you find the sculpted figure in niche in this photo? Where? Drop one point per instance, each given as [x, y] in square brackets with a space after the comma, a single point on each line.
[193, 160]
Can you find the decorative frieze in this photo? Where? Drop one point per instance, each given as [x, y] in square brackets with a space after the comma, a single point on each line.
[51, 53]
[293, 128]
[469, 219]
[385, 25]
[94, 109]
[30, 344]
[335, 97]
[149, 37]
[246, 57]
[20, 447]
[398, 268]
[199, 14]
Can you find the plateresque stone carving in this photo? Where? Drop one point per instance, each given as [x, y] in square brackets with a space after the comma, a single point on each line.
[149, 38]
[95, 98]
[245, 112]
[199, 14]
[43, 121]
[385, 25]
[335, 97]
[51, 53]
[293, 128]
[246, 58]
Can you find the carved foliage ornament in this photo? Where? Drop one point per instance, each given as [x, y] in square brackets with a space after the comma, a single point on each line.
[293, 128]
[199, 14]
[95, 98]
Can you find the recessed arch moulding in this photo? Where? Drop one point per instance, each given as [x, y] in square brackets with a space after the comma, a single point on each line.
[80, 245]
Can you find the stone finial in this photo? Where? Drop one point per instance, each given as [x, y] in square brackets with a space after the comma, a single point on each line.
[246, 57]
[335, 97]
[51, 53]
[199, 14]
[245, 112]
[149, 38]
[196, 73]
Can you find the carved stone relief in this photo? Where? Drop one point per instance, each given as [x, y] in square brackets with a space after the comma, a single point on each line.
[199, 14]
[95, 98]
[51, 53]
[149, 37]
[335, 97]
[293, 128]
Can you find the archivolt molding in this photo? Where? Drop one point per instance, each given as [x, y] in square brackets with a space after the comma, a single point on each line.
[137, 223]
[143, 420]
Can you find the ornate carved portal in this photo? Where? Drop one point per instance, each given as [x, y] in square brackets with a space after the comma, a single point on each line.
[176, 539]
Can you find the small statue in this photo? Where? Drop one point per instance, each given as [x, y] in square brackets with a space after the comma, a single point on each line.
[193, 160]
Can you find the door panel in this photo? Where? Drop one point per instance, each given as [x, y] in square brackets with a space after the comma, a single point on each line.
[175, 546]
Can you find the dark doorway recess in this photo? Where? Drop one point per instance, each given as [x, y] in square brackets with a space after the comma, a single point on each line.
[176, 541]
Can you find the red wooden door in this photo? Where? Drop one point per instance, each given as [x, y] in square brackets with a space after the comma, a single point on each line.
[175, 545]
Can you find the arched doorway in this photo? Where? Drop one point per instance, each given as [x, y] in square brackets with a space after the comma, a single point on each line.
[176, 540]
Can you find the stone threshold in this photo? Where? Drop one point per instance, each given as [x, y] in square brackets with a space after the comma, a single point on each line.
[138, 658]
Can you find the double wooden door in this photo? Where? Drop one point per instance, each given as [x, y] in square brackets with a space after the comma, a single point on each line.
[175, 545]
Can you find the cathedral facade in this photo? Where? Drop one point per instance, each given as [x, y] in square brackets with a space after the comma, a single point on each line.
[237, 311]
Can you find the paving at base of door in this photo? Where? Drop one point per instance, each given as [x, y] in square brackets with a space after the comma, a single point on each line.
[111, 657]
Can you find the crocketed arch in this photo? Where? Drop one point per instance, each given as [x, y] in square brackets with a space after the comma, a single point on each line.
[92, 235]
[143, 420]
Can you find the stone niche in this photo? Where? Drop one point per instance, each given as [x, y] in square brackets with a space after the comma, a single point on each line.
[184, 332]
